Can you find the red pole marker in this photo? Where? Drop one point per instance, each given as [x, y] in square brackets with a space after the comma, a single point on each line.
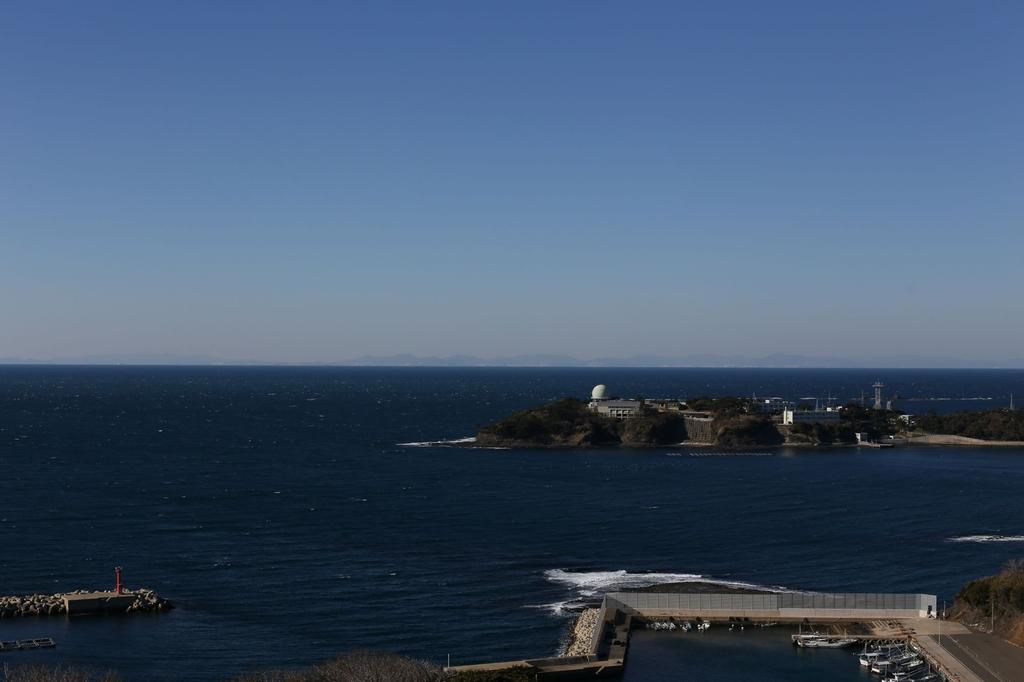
[117, 580]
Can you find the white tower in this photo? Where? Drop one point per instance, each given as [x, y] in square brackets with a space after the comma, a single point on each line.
[878, 394]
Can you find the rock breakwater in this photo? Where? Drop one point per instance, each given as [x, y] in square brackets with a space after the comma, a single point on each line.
[582, 632]
[57, 604]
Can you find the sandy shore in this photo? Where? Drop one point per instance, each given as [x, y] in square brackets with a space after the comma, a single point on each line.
[943, 439]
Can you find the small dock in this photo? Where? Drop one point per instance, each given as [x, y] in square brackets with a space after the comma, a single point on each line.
[27, 644]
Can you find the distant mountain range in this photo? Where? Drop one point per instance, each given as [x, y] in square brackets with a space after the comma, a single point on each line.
[550, 360]
[780, 360]
[692, 360]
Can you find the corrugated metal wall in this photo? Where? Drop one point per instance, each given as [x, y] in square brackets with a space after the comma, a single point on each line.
[784, 600]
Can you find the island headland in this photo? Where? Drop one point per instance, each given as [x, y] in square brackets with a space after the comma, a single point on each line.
[736, 423]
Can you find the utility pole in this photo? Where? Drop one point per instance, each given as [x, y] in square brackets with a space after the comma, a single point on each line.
[942, 616]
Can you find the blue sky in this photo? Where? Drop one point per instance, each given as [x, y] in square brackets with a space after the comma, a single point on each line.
[311, 181]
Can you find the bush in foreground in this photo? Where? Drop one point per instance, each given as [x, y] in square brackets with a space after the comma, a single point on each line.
[995, 601]
[49, 673]
[358, 666]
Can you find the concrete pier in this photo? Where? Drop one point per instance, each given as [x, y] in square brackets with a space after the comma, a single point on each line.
[97, 602]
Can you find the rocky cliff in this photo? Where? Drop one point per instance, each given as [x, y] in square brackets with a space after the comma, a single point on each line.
[996, 599]
[569, 423]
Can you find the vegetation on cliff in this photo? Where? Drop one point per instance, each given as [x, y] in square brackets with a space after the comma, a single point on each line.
[995, 600]
[874, 423]
[570, 423]
[747, 431]
[721, 407]
[822, 434]
[991, 425]
[563, 422]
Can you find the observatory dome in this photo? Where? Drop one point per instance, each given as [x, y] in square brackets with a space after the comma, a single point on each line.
[600, 392]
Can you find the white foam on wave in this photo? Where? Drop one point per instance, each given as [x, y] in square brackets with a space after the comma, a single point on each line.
[438, 443]
[988, 538]
[593, 583]
[558, 608]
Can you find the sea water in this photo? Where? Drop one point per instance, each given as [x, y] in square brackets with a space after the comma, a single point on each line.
[724, 655]
[279, 509]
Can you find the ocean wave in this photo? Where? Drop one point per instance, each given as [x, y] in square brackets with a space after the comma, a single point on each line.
[438, 443]
[558, 608]
[593, 583]
[987, 538]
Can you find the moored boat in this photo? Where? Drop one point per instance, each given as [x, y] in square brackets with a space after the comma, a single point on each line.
[826, 642]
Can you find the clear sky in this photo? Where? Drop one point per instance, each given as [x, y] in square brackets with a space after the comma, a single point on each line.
[314, 181]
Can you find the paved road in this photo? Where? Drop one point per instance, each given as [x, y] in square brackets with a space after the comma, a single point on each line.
[989, 657]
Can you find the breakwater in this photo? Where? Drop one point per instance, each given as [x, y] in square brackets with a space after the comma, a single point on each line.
[83, 602]
[582, 632]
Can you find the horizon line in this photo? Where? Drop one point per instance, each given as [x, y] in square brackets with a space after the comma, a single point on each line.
[55, 363]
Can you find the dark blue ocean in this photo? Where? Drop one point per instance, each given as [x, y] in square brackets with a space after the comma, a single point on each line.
[278, 509]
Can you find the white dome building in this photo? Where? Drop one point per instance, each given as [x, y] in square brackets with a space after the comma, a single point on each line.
[603, 404]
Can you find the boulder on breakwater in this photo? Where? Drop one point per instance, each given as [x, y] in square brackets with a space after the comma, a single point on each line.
[57, 604]
[582, 632]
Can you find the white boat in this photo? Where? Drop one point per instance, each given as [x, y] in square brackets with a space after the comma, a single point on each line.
[882, 665]
[825, 642]
[808, 637]
[869, 657]
[905, 659]
[821, 640]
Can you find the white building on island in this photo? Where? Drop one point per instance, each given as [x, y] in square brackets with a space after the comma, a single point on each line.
[608, 407]
[829, 416]
[773, 405]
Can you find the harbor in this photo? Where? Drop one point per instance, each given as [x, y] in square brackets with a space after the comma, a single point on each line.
[27, 644]
[898, 636]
